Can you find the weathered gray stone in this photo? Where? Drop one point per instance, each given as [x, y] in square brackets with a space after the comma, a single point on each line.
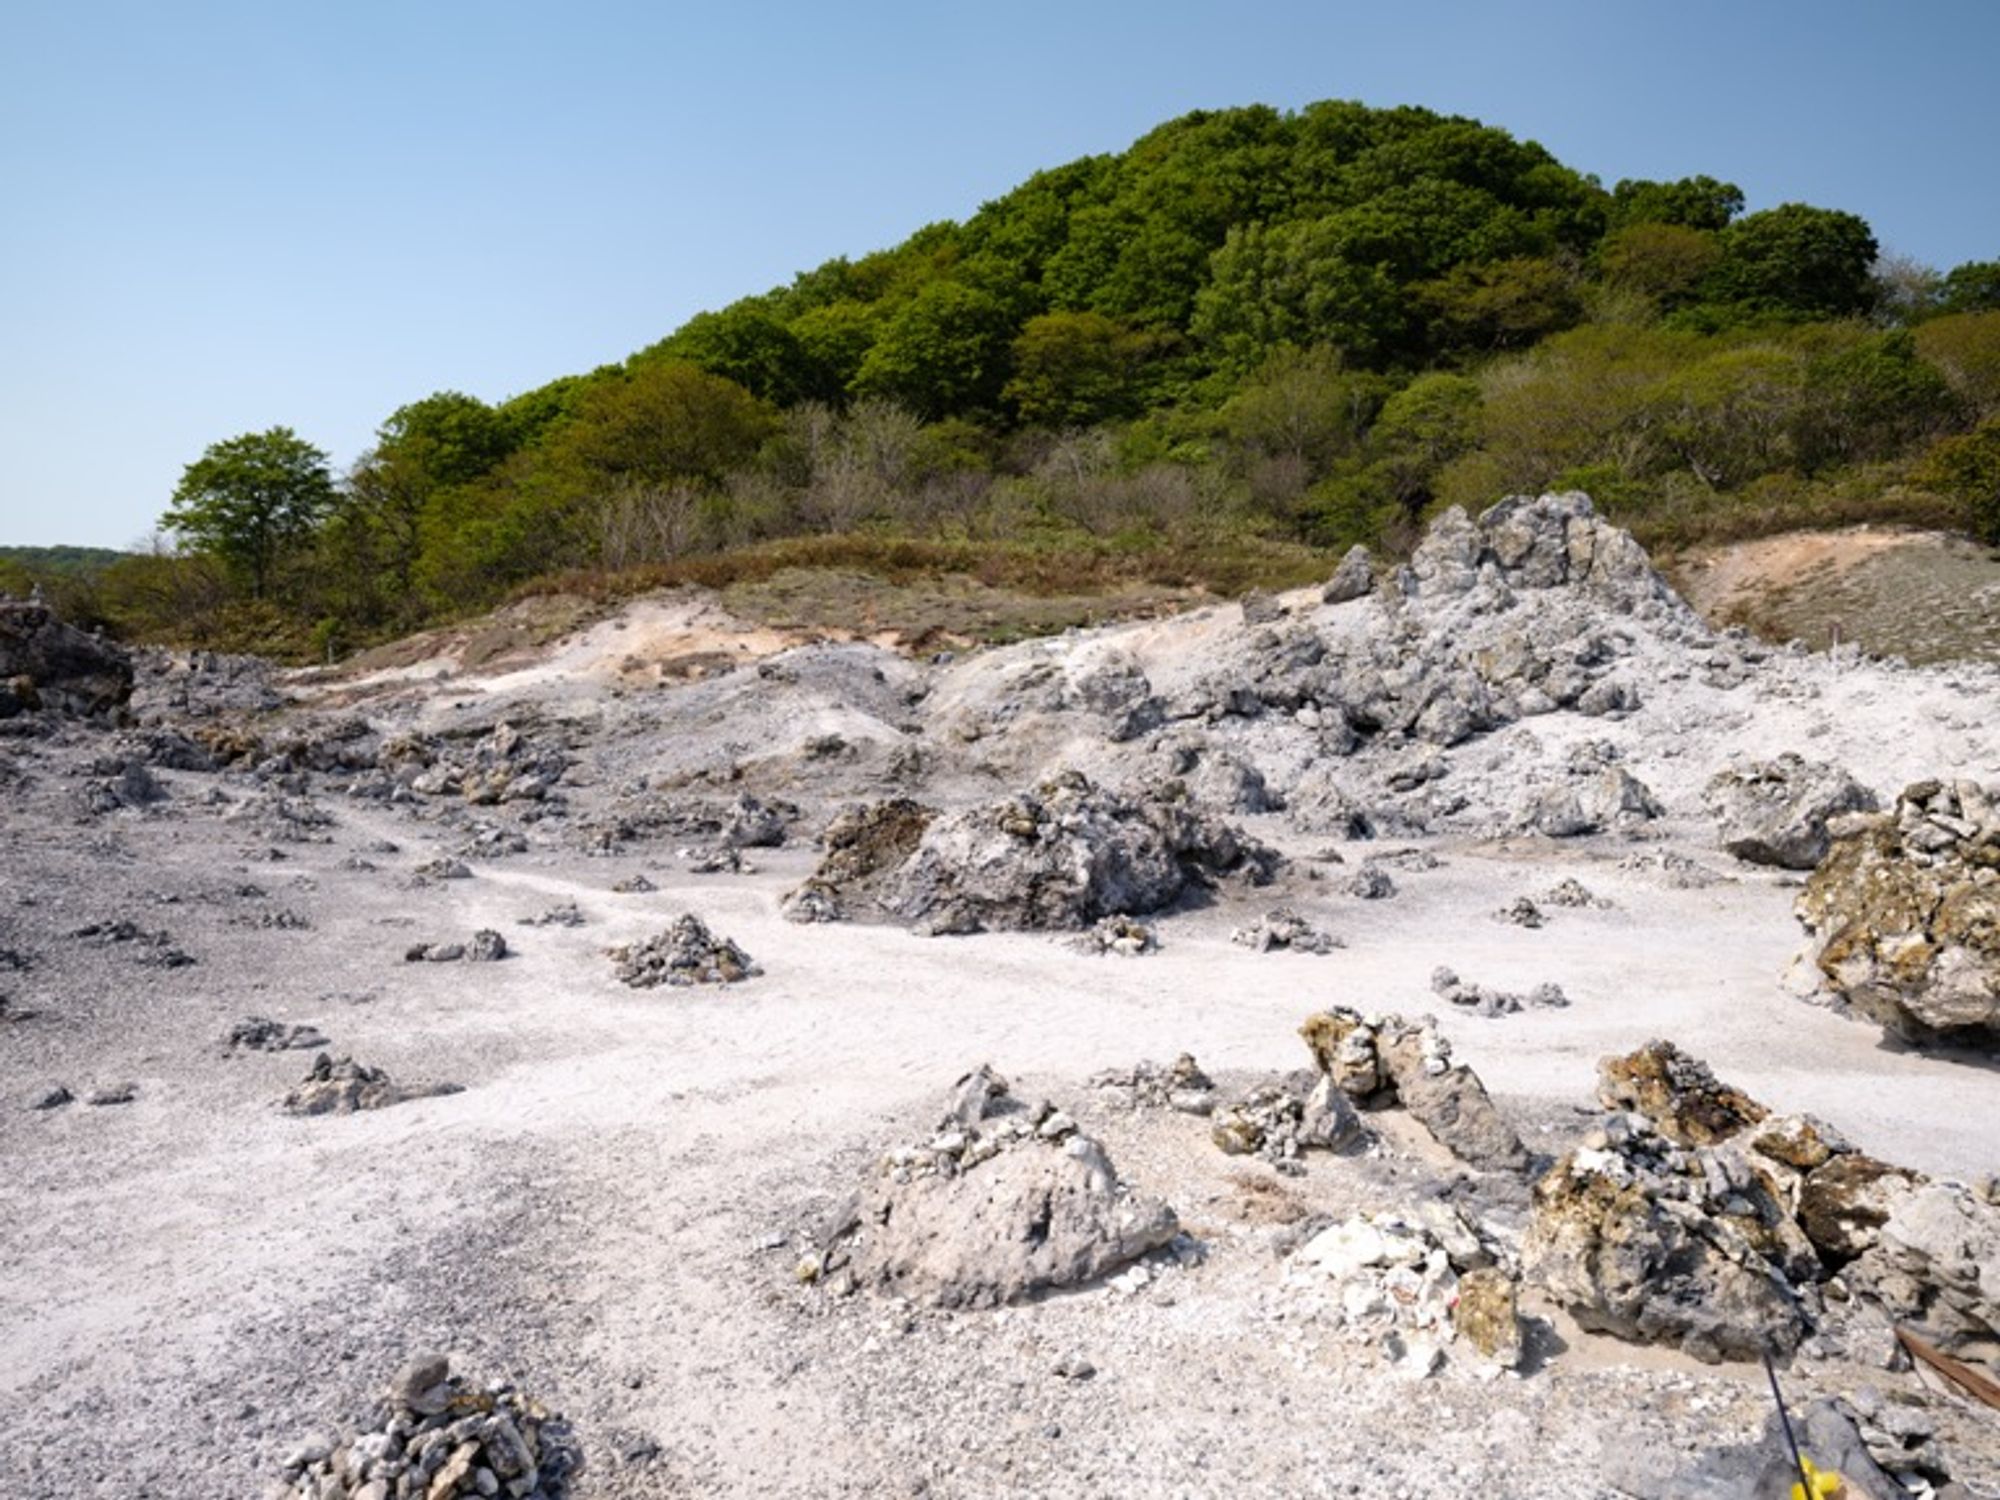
[1776, 812]
[1904, 915]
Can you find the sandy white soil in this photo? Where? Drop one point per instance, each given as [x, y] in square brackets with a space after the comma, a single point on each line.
[611, 1210]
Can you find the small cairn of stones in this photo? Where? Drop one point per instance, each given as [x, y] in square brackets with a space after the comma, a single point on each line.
[1180, 1086]
[686, 953]
[440, 1438]
[1574, 894]
[1521, 912]
[1371, 883]
[717, 859]
[1127, 937]
[973, 1130]
[1285, 928]
[1447, 986]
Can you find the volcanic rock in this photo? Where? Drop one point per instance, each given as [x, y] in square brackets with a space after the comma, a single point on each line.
[1678, 1093]
[343, 1087]
[1776, 812]
[1353, 579]
[1383, 1060]
[1904, 915]
[686, 953]
[1064, 856]
[440, 1438]
[994, 1209]
[58, 667]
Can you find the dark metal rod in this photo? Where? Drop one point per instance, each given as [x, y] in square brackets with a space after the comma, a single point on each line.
[1785, 1418]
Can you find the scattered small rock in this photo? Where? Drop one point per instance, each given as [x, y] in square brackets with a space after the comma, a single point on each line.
[563, 914]
[1447, 986]
[261, 1034]
[1127, 937]
[1285, 928]
[343, 1087]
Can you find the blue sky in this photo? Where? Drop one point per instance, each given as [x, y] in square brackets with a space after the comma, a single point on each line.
[220, 218]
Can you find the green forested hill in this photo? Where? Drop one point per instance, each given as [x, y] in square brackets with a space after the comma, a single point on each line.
[56, 561]
[1251, 333]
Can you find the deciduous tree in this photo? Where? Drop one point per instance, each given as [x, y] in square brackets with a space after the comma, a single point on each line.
[248, 499]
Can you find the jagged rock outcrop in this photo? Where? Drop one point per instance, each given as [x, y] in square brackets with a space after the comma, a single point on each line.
[1775, 812]
[1904, 915]
[1630, 1242]
[1531, 542]
[1383, 1060]
[1679, 1094]
[1694, 1217]
[1003, 1201]
[1063, 856]
[45, 663]
[864, 844]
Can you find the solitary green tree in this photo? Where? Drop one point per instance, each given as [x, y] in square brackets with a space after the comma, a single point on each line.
[248, 499]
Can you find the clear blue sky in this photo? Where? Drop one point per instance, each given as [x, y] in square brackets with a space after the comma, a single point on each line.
[221, 217]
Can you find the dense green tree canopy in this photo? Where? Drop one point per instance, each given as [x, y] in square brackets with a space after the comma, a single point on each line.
[1798, 261]
[249, 499]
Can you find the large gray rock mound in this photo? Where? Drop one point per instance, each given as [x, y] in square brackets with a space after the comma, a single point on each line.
[46, 663]
[1063, 856]
[1775, 812]
[1904, 914]
[1001, 1203]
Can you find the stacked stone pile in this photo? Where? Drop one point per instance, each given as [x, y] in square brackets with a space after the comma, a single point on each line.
[439, 1438]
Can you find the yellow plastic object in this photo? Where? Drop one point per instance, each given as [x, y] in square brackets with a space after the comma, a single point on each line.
[1826, 1485]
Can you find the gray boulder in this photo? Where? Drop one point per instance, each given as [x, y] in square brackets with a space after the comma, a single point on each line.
[1353, 579]
[1631, 1250]
[1002, 1203]
[1904, 915]
[59, 667]
[1936, 1261]
[1063, 856]
[1776, 812]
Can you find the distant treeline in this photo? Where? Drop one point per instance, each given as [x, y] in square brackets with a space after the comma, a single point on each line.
[1308, 327]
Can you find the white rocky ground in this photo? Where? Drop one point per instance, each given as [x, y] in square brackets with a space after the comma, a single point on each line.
[611, 1210]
